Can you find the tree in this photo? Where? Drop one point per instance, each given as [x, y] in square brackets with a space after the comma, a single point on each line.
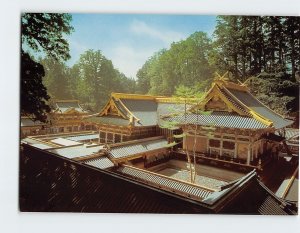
[248, 45]
[40, 32]
[187, 63]
[97, 78]
[57, 79]
[187, 96]
[33, 92]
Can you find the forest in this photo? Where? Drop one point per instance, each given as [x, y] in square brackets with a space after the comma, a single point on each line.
[262, 51]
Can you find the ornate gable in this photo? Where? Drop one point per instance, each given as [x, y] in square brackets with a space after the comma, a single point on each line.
[111, 109]
[216, 104]
[216, 100]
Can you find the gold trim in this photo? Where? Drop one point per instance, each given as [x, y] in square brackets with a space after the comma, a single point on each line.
[123, 105]
[216, 92]
[255, 115]
[134, 96]
[111, 103]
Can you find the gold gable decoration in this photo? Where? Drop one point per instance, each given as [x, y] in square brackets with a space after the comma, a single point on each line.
[215, 100]
[111, 109]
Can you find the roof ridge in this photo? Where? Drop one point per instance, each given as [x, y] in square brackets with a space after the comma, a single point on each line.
[135, 96]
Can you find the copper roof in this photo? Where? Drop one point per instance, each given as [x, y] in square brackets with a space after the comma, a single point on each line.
[177, 186]
[100, 162]
[218, 119]
[132, 148]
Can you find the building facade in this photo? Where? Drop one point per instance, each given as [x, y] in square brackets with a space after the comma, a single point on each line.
[65, 116]
[232, 124]
[130, 116]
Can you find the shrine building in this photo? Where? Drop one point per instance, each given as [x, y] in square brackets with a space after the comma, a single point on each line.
[230, 123]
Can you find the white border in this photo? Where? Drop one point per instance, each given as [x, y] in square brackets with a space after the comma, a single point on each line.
[13, 221]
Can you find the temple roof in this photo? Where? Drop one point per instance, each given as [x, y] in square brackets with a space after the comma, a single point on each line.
[220, 119]
[136, 110]
[133, 148]
[100, 162]
[232, 105]
[163, 182]
[235, 98]
[27, 122]
[68, 106]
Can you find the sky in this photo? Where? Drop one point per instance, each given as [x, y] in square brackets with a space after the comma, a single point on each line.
[128, 40]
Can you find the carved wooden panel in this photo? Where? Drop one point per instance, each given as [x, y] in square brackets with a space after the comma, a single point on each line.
[216, 104]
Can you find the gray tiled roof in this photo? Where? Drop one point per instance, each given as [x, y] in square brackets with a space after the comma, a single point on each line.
[100, 162]
[220, 119]
[64, 106]
[121, 108]
[76, 151]
[145, 110]
[258, 107]
[172, 184]
[127, 150]
[289, 133]
[235, 103]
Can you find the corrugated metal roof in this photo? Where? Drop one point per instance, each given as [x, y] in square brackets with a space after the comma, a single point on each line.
[83, 137]
[145, 110]
[100, 162]
[251, 102]
[126, 150]
[147, 177]
[76, 151]
[220, 119]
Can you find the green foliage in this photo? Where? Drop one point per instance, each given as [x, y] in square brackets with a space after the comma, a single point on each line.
[94, 78]
[185, 63]
[34, 95]
[249, 45]
[45, 32]
[40, 33]
[278, 92]
[57, 79]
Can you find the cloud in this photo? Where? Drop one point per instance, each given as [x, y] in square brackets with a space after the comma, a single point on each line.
[129, 60]
[166, 36]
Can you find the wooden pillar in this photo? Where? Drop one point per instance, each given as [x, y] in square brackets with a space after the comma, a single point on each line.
[184, 142]
[105, 136]
[251, 152]
[207, 145]
[113, 138]
[221, 145]
[235, 145]
[99, 137]
[248, 155]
